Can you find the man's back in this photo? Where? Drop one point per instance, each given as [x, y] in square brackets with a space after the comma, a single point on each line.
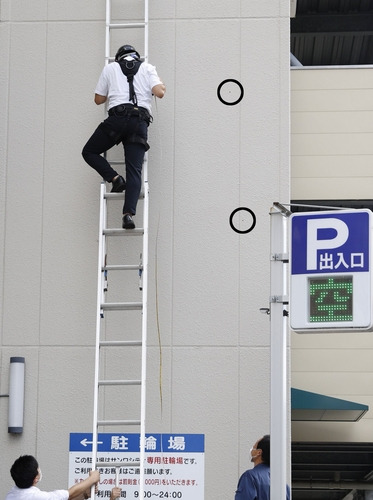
[114, 84]
[254, 484]
[34, 493]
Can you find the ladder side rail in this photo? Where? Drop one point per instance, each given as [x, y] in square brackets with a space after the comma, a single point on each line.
[100, 276]
[107, 31]
[146, 30]
[145, 257]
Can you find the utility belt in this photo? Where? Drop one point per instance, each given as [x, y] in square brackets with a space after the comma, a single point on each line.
[131, 110]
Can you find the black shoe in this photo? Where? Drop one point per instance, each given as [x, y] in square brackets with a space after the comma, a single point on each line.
[119, 185]
[128, 222]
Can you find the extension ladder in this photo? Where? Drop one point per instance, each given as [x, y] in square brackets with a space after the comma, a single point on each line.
[132, 390]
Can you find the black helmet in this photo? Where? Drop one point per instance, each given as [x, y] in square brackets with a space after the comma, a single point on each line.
[125, 49]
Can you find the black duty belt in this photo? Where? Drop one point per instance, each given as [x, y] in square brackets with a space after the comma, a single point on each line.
[130, 110]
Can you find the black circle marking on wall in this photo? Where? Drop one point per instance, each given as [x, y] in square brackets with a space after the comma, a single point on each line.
[224, 101]
[245, 209]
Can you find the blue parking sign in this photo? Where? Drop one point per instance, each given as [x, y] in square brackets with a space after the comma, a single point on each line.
[331, 279]
[330, 242]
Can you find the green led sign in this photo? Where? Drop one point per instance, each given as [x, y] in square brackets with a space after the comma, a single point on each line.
[330, 299]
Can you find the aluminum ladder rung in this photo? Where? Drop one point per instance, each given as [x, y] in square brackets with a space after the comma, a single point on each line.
[119, 382]
[123, 232]
[121, 162]
[125, 25]
[127, 465]
[120, 343]
[120, 196]
[116, 162]
[121, 306]
[122, 267]
[118, 422]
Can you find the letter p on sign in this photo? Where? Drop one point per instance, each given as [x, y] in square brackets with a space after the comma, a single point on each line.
[314, 243]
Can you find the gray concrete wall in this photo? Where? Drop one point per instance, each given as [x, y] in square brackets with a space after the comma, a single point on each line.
[206, 159]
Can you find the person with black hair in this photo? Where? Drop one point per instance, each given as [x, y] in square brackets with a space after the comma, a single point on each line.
[127, 85]
[26, 474]
[254, 484]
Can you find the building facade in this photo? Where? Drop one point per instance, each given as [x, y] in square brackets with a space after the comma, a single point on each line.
[207, 158]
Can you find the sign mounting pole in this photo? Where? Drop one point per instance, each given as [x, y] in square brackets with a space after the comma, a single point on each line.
[278, 317]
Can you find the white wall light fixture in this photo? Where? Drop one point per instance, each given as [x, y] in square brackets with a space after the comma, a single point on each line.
[16, 394]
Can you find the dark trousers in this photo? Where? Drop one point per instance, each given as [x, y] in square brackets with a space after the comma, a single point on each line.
[132, 132]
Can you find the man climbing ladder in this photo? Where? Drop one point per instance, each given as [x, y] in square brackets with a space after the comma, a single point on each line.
[128, 85]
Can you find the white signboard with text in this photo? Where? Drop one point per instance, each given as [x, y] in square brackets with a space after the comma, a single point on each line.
[174, 464]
